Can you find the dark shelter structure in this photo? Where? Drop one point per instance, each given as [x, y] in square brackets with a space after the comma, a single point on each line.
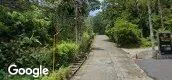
[165, 42]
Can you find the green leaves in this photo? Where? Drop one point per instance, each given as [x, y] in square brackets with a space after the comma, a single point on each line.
[26, 28]
[14, 23]
[61, 74]
[31, 41]
[124, 33]
[67, 48]
[67, 52]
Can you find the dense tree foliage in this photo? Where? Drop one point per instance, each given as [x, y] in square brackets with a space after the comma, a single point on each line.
[98, 24]
[136, 12]
[43, 32]
[55, 33]
[124, 31]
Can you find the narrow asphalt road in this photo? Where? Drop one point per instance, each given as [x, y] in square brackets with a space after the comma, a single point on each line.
[107, 62]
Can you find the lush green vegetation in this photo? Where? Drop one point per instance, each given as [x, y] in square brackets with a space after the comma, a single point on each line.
[124, 33]
[51, 33]
[67, 52]
[61, 74]
[127, 21]
[56, 33]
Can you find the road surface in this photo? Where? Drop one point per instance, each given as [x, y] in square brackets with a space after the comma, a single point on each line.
[160, 69]
[107, 62]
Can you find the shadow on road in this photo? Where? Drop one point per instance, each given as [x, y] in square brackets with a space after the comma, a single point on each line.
[97, 48]
[107, 40]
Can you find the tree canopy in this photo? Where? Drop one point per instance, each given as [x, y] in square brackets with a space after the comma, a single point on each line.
[136, 12]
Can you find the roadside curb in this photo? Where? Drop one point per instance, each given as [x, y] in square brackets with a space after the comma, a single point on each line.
[77, 65]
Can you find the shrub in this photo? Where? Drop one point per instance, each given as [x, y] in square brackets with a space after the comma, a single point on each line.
[145, 42]
[67, 52]
[124, 33]
[85, 42]
[52, 76]
[23, 77]
[86, 37]
[2, 74]
[23, 56]
[13, 24]
[61, 74]
[21, 33]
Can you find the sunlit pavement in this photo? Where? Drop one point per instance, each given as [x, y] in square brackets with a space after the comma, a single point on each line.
[107, 62]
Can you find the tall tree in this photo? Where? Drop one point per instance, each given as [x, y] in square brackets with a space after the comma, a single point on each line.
[160, 12]
[150, 24]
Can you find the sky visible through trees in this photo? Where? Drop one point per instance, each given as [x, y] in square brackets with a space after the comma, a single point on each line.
[93, 13]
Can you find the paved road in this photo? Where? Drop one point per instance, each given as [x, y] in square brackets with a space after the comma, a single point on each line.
[107, 62]
[159, 69]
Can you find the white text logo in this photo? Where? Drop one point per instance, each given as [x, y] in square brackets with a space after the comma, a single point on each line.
[36, 72]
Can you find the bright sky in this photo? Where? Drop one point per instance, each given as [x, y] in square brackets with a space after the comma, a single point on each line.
[101, 0]
[93, 13]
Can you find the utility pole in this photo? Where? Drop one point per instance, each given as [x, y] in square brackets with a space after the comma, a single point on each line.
[150, 25]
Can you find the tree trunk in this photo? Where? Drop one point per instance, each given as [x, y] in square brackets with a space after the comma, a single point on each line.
[160, 12]
[150, 25]
[76, 20]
